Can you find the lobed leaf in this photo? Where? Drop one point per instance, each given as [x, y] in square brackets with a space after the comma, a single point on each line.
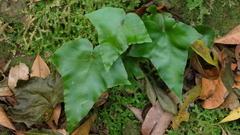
[84, 77]
[116, 32]
[169, 50]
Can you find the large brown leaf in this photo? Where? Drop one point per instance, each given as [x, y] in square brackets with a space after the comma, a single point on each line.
[40, 68]
[37, 98]
[156, 121]
[233, 37]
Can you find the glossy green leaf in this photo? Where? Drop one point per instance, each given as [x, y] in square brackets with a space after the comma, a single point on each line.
[208, 35]
[116, 32]
[169, 50]
[134, 72]
[84, 77]
[37, 98]
[202, 50]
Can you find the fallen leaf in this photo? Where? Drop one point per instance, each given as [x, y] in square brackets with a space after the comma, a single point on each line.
[62, 131]
[84, 129]
[213, 93]
[188, 98]
[234, 114]
[19, 72]
[54, 118]
[137, 112]
[231, 101]
[165, 101]
[40, 68]
[101, 100]
[202, 50]
[156, 121]
[4, 89]
[150, 92]
[5, 121]
[37, 97]
[231, 38]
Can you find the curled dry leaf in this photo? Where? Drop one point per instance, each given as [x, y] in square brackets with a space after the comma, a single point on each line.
[156, 121]
[231, 38]
[101, 100]
[213, 93]
[19, 72]
[40, 68]
[84, 129]
[54, 118]
[4, 120]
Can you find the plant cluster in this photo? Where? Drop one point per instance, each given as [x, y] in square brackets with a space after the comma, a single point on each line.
[124, 41]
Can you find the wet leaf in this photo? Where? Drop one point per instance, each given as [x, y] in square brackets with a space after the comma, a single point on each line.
[54, 118]
[19, 72]
[40, 68]
[234, 115]
[37, 98]
[84, 129]
[150, 91]
[172, 39]
[137, 112]
[188, 98]
[5, 121]
[213, 93]
[165, 101]
[231, 38]
[86, 79]
[202, 50]
[116, 31]
[156, 121]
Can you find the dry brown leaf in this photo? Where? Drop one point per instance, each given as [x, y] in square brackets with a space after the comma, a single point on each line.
[5, 121]
[54, 118]
[101, 100]
[62, 131]
[84, 129]
[4, 89]
[233, 37]
[156, 121]
[237, 82]
[19, 72]
[40, 68]
[137, 112]
[213, 92]
[231, 101]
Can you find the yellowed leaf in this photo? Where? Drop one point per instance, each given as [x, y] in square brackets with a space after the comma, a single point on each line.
[234, 115]
[233, 37]
[54, 118]
[84, 129]
[202, 50]
[188, 98]
[40, 68]
[5, 121]
[19, 72]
